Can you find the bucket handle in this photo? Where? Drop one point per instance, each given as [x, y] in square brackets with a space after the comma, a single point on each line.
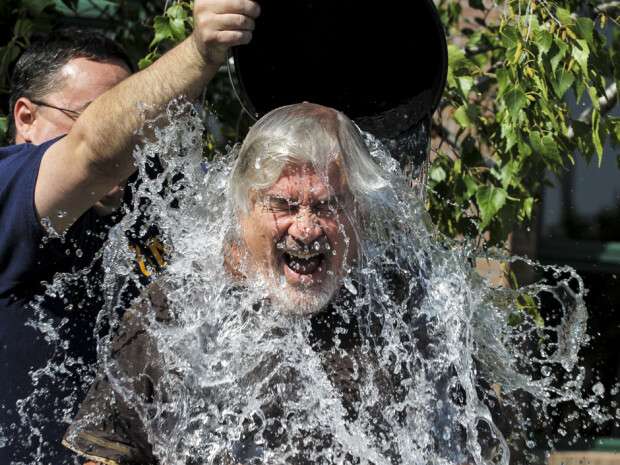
[230, 65]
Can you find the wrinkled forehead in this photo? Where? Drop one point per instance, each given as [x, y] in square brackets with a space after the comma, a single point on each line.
[306, 182]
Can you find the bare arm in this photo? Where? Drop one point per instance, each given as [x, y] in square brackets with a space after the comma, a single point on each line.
[96, 154]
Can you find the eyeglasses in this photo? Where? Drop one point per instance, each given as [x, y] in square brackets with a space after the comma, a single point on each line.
[70, 113]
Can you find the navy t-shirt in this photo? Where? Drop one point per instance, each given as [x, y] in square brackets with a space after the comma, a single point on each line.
[29, 259]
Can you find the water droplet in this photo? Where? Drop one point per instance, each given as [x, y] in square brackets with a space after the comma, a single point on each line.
[598, 389]
[49, 229]
[350, 286]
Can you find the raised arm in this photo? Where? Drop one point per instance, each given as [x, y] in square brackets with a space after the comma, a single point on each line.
[95, 155]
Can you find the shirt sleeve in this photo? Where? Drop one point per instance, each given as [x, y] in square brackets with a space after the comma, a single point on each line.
[107, 428]
[28, 256]
[20, 229]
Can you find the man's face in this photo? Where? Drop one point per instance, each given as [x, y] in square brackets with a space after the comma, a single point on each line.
[83, 80]
[299, 237]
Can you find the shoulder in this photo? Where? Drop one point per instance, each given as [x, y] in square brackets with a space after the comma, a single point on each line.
[21, 155]
[152, 303]
[19, 162]
[134, 346]
[19, 168]
[21, 232]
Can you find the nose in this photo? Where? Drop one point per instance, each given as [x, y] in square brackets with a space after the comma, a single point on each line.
[306, 227]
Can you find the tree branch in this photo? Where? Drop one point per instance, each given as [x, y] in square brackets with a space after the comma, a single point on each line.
[609, 8]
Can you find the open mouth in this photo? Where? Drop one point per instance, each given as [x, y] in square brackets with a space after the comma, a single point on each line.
[303, 263]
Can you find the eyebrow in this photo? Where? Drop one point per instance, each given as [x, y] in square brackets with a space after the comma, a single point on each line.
[336, 198]
[278, 200]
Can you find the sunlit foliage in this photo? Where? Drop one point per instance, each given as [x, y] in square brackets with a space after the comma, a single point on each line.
[530, 86]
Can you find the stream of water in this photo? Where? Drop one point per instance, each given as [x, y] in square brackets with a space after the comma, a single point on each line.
[418, 360]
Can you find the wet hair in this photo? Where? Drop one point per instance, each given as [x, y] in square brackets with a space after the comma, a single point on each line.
[304, 134]
[37, 71]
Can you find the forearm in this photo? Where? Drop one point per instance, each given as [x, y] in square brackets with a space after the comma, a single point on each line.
[96, 155]
[106, 132]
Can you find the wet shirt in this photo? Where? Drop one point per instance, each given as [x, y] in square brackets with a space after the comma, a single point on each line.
[110, 429]
[28, 260]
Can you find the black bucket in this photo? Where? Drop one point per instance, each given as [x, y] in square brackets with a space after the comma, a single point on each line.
[382, 63]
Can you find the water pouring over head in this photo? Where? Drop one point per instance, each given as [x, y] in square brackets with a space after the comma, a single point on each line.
[399, 342]
[301, 182]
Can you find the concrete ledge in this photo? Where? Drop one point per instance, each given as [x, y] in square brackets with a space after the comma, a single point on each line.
[584, 458]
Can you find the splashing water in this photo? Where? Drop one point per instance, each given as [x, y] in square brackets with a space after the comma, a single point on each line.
[418, 360]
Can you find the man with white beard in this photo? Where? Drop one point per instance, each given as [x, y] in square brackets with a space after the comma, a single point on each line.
[300, 189]
[298, 186]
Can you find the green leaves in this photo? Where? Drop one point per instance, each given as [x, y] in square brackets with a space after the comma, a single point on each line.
[546, 147]
[510, 123]
[613, 124]
[171, 26]
[596, 135]
[169, 29]
[504, 80]
[515, 100]
[437, 174]
[544, 41]
[466, 115]
[4, 126]
[560, 48]
[147, 60]
[490, 200]
[162, 29]
[510, 37]
[456, 63]
[465, 84]
[562, 81]
[585, 29]
[564, 16]
[581, 53]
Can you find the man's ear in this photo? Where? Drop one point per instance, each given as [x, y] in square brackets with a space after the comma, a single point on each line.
[24, 116]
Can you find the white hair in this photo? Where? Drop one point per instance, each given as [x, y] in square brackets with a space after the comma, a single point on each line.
[304, 133]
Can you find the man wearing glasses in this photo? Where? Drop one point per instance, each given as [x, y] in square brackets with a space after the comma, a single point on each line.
[53, 83]
[75, 115]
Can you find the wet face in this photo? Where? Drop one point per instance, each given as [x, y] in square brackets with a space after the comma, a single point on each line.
[82, 81]
[299, 238]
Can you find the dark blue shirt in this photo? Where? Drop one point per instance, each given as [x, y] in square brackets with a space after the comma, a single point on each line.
[29, 259]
